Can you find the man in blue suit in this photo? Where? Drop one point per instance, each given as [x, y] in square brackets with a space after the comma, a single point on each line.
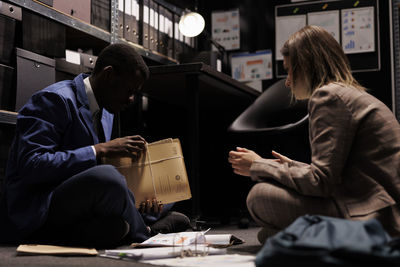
[55, 190]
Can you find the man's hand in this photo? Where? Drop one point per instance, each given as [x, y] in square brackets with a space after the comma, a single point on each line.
[241, 160]
[151, 207]
[128, 146]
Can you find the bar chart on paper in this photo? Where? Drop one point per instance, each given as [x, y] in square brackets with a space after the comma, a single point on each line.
[350, 45]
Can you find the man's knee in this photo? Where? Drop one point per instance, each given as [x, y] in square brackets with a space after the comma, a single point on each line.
[108, 176]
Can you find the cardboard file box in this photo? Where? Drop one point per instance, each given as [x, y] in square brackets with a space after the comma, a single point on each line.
[159, 173]
[68, 71]
[101, 13]
[34, 72]
[79, 9]
[7, 40]
[7, 87]
[42, 35]
[88, 61]
[9, 15]
[46, 2]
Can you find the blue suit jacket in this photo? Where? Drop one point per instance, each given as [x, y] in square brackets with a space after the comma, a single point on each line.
[53, 139]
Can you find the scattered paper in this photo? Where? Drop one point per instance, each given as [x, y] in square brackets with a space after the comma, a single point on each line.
[162, 252]
[190, 238]
[228, 260]
[174, 239]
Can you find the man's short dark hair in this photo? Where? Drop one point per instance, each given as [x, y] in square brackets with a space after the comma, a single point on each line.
[123, 58]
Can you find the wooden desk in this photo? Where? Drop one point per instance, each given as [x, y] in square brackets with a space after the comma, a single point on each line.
[212, 100]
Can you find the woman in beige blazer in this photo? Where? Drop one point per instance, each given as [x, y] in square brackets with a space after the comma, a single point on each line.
[355, 146]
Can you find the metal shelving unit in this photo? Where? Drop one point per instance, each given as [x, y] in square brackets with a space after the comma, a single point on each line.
[65, 19]
[10, 118]
[396, 56]
[155, 56]
[110, 37]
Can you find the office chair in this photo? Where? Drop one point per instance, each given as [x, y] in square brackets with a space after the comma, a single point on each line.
[274, 111]
[274, 120]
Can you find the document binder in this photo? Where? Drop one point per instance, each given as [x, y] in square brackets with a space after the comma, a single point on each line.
[178, 38]
[170, 33]
[121, 18]
[136, 21]
[146, 21]
[152, 26]
[156, 26]
[128, 21]
[162, 32]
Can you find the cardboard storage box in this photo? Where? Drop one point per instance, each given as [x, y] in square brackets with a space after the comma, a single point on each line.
[159, 173]
[7, 87]
[101, 14]
[79, 9]
[34, 72]
[46, 2]
[68, 71]
[42, 35]
[9, 15]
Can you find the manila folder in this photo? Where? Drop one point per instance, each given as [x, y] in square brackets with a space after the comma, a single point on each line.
[159, 173]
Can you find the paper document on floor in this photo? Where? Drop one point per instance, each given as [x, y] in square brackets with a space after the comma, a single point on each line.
[228, 260]
[190, 238]
[174, 239]
[162, 252]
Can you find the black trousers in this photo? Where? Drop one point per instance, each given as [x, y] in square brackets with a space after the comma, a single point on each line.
[84, 202]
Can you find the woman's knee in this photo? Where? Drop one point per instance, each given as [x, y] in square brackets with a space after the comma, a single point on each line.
[263, 201]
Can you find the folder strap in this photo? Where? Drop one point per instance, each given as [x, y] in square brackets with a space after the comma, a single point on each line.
[151, 170]
[149, 162]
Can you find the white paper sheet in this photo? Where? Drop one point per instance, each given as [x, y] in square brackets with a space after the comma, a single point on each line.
[161, 252]
[329, 20]
[358, 30]
[226, 29]
[284, 27]
[229, 260]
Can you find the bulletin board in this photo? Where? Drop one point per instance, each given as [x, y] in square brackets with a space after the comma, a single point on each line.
[353, 23]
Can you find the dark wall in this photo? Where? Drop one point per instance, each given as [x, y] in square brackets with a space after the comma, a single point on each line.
[257, 28]
[223, 194]
[258, 33]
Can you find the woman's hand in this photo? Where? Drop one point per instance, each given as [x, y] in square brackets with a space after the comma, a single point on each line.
[241, 160]
[281, 158]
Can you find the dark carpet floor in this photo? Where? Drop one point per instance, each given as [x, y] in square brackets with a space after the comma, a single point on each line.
[9, 256]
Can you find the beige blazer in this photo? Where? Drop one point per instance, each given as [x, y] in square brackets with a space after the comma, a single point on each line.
[355, 153]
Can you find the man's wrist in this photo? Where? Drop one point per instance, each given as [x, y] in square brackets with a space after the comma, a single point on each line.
[99, 151]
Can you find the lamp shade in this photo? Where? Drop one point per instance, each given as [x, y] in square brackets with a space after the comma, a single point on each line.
[191, 24]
